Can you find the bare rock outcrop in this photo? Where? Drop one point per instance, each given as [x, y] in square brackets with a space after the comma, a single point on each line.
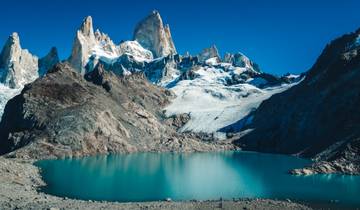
[154, 36]
[84, 41]
[207, 53]
[49, 61]
[88, 43]
[17, 66]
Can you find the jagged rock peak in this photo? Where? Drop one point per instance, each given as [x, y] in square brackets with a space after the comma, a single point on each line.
[53, 53]
[14, 38]
[89, 47]
[154, 36]
[240, 60]
[11, 46]
[207, 53]
[17, 66]
[87, 27]
[48, 61]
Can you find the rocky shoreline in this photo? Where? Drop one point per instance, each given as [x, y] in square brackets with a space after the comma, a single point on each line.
[20, 181]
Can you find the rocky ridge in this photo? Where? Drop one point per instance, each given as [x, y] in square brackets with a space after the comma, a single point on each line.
[319, 118]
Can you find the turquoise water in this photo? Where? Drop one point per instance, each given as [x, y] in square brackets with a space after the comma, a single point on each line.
[153, 176]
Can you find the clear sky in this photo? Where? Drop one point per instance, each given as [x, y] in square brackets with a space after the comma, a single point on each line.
[281, 36]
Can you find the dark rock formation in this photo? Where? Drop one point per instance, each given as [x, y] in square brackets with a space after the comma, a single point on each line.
[207, 53]
[320, 117]
[48, 62]
[99, 77]
[62, 114]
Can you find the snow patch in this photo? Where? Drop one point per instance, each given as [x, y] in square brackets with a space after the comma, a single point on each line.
[6, 94]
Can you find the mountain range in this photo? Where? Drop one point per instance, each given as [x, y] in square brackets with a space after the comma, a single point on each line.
[141, 95]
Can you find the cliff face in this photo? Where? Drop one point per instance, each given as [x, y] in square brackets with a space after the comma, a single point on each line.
[62, 114]
[17, 66]
[318, 118]
[154, 36]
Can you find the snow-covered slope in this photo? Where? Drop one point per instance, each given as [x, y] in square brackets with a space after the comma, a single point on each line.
[6, 93]
[212, 104]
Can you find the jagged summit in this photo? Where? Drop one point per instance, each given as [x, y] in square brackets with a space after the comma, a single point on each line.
[12, 45]
[240, 60]
[48, 61]
[17, 66]
[83, 42]
[207, 53]
[87, 27]
[154, 36]
[89, 44]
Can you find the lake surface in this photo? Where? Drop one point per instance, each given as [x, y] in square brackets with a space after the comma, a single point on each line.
[157, 176]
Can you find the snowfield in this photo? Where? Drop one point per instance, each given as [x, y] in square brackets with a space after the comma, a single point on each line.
[6, 94]
[212, 104]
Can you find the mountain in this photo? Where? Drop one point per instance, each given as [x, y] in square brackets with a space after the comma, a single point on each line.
[154, 36]
[101, 113]
[90, 45]
[98, 94]
[19, 67]
[240, 60]
[319, 118]
[211, 53]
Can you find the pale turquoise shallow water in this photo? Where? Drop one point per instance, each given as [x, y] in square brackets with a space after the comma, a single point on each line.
[203, 176]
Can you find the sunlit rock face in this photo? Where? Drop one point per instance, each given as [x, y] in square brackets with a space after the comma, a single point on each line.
[83, 42]
[17, 66]
[88, 43]
[154, 36]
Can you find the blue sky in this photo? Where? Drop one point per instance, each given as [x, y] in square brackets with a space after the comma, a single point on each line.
[281, 36]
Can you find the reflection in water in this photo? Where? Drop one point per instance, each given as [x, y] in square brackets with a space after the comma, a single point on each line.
[153, 176]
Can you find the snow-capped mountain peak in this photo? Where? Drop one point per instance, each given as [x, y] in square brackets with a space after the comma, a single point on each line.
[240, 60]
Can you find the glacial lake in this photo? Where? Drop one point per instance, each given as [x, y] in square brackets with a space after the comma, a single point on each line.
[201, 176]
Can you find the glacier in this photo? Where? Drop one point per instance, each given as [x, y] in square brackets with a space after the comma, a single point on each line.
[212, 104]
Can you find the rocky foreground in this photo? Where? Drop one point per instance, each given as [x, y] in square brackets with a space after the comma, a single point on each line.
[20, 181]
